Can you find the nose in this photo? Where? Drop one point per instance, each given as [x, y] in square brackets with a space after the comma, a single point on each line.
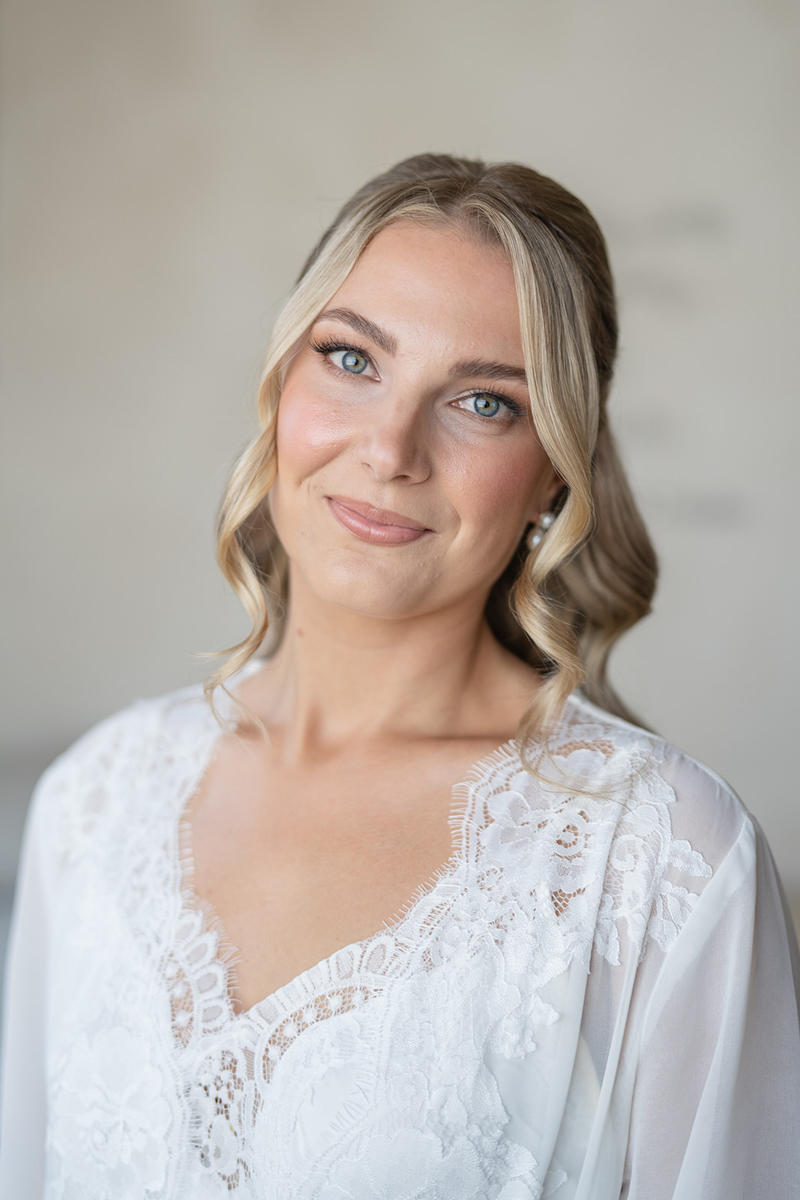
[396, 445]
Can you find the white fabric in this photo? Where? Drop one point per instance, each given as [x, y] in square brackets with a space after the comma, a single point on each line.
[594, 1000]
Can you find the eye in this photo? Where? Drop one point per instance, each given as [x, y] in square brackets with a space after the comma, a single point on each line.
[344, 357]
[485, 404]
[349, 360]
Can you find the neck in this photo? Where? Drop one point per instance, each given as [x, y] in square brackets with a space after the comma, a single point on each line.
[339, 676]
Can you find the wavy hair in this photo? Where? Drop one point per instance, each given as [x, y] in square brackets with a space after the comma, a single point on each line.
[561, 606]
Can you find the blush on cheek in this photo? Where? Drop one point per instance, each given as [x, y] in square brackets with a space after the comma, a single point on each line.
[308, 435]
[510, 484]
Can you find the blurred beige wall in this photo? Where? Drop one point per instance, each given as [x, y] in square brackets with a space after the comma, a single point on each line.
[166, 167]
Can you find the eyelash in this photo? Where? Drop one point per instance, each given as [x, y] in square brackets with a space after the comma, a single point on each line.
[325, 348]
[330, 347]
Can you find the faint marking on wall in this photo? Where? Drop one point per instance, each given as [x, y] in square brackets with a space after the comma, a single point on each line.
[720, 511]
[668, 224]
[645, 246]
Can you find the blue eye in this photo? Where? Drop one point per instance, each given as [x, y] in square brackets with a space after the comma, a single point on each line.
[485, 405]
[350, 360]
[497, 410]
[345, 358]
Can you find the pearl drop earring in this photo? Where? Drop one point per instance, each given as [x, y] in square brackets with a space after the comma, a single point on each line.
[537, 531]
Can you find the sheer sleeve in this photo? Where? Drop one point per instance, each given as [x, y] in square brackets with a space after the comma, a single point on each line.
[23, 1113]
[716, 1104]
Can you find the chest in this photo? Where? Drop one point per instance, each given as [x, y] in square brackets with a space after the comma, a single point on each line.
[299, 862]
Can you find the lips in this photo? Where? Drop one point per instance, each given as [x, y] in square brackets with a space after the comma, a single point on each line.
[380, 526]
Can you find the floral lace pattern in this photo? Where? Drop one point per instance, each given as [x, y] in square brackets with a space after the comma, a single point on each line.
[112, 1135]
[383, 1070]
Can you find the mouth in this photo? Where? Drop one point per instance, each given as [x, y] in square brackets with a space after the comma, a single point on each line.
[377, 525]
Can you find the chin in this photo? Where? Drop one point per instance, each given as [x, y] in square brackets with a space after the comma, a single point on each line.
[373, 590]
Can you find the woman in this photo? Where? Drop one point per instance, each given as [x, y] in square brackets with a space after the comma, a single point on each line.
[281, 955]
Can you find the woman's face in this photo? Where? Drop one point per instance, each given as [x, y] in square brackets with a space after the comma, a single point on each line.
[408, 466]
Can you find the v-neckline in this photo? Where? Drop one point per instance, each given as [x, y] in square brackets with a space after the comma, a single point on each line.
[308, 984]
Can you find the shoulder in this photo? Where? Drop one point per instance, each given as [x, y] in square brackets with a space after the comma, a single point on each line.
[122, 739]
[677, 827]
[703, 808]
[93, 778]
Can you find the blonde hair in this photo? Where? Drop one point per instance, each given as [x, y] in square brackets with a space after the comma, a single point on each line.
[561, 606]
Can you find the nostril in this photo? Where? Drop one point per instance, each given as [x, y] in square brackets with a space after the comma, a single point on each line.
[394, 453]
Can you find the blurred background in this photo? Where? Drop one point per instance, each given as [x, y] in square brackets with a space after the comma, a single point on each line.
[167, 165]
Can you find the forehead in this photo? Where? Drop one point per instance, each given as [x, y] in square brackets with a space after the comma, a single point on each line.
[437, 281]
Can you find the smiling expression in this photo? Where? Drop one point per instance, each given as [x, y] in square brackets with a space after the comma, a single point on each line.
[408, 465]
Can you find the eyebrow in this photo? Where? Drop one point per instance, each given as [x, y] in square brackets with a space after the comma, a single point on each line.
[362, 325]
[466, 367]
[489, 370]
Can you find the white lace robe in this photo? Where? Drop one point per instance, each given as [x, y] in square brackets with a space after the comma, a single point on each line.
[594, 999]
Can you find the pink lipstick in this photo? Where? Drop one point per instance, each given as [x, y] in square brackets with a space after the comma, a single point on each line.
[377, 525]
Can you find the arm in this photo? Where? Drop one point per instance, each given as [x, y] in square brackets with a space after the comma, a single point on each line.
[716, 1107]
[23, 1100]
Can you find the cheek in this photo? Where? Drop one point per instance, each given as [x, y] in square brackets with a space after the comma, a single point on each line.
[308, 434]
[498, 490]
